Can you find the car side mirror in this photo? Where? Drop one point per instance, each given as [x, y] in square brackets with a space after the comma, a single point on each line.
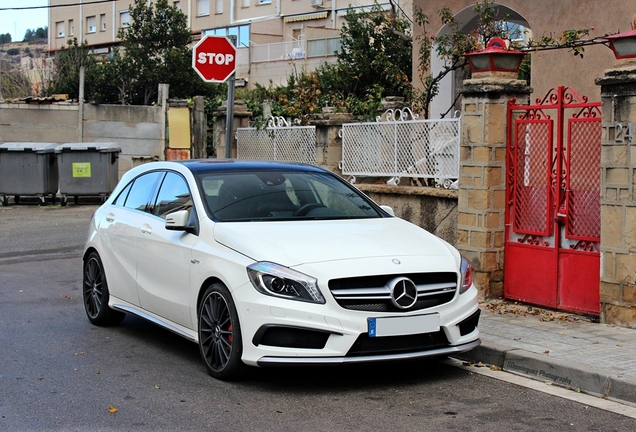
[178, 221]
[388, 209]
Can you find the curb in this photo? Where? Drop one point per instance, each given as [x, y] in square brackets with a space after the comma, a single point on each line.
[542, 367]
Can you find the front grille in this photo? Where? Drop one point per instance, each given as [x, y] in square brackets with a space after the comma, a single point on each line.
[290, 337]
[373, 293]
[366, 345]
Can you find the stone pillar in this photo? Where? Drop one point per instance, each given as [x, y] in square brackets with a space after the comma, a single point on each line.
[328, 141]
[482, 175]
[618, 196]
[241, 119]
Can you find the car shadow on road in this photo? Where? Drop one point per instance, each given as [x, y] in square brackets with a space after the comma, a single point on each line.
[319, 379]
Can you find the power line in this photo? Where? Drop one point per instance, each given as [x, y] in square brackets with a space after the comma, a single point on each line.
[56, 6]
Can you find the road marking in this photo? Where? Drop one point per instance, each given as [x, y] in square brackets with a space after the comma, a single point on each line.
[554, 390]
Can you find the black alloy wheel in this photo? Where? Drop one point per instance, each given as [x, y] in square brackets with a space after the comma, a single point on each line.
[95, 293]
[220, 334]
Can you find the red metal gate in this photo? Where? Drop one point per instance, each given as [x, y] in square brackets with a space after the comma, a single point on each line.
[553, 217]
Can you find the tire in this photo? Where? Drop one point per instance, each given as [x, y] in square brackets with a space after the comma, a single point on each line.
[64, 201]
[42, 199]
[95, 294]
[4, 200]
[220, 340]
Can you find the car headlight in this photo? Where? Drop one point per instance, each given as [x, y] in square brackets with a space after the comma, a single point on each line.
[278, 281]
[466, 270]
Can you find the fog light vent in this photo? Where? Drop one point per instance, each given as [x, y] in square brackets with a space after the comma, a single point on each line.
[290, 337]
[469, 324]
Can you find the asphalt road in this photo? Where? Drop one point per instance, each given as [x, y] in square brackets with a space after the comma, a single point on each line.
[58, 372]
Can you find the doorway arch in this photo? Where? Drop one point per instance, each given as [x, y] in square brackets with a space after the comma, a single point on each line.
[450, 84]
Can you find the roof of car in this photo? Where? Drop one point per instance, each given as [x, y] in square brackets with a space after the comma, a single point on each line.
[210, 165]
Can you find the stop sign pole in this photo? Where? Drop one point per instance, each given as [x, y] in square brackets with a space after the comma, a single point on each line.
[229, 113]
[214, 59]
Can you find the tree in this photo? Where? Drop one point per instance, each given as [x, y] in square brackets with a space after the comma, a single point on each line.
[66, 77]
[36, 36]
[376, 50]
[154, 49]
[5, 38]
[374, 61]
[14, 84]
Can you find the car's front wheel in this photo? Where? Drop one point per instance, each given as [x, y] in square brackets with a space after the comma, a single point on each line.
[95, 293]
[220, 333]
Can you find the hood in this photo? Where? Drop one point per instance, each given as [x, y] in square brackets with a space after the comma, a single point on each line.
[293, 243]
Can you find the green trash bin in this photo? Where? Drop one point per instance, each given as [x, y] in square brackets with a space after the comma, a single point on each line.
[88, 169]
[28, 169]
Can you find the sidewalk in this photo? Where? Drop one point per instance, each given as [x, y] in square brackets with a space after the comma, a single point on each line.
[562, 348]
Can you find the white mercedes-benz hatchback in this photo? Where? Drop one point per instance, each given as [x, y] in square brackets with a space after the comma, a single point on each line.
[264, 263]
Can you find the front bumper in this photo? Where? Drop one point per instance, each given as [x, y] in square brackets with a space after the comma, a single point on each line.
[308, 361]
[307, 333]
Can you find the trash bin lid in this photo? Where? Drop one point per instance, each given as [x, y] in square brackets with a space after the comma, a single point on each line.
[104, 147]
[37, 147]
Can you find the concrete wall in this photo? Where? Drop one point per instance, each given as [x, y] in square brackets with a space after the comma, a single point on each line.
[39, 123]
[138, 130]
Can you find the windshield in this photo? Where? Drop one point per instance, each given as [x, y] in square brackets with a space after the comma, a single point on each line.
[273, 195]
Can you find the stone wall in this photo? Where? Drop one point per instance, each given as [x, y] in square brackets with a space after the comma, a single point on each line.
[433, 209]
[618, 198]
[482, 179]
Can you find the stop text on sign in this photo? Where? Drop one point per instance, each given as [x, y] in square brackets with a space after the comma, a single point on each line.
[214, 58]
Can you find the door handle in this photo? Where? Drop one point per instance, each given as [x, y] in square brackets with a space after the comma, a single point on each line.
[146, 229]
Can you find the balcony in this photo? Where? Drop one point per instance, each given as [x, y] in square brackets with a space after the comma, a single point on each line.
[295, 50]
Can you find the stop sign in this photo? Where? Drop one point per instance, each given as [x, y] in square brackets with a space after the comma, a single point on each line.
[214, 58]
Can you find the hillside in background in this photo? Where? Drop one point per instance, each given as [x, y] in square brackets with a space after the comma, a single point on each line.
[23, 69]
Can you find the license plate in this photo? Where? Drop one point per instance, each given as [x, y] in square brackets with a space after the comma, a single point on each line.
[400, 326]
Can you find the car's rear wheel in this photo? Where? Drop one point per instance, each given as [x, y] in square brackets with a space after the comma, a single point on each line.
[220, 340]
[95, 293]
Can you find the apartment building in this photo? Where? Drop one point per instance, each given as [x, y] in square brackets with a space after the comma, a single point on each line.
[274, 37]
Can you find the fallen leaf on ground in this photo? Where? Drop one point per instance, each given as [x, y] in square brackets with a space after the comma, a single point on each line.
[112, 409]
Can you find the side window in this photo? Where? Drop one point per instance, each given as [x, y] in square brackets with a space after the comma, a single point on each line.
[121, 198]
[142, 191]
[174, 195]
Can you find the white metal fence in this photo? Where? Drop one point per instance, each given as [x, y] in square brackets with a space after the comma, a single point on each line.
[399, 145]
[279, 51]
[279, 141]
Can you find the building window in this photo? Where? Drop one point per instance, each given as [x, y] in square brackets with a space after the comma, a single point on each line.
[242, 34]
[71, 28]
[124, 19]
[177, 5]
[246, 3]
[91, 24]
[203, 7]
[102, 22]
[264, 1]
[219, 6]
[59, 29]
